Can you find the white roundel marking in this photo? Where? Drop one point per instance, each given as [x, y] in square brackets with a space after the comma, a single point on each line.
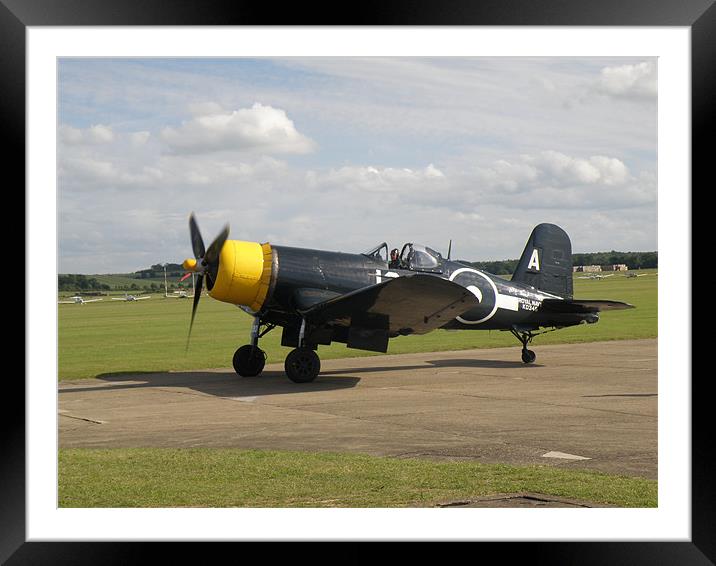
[494, 289]
[475, 291]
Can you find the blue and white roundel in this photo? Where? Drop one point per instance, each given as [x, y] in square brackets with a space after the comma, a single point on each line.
[483, 288]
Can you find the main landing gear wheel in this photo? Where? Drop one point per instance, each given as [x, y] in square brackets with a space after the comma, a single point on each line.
[249, 361]
[528, 356]
[302, 365]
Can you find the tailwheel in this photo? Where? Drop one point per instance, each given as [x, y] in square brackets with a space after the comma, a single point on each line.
[249, 361]
[302, 365]
[525, 336]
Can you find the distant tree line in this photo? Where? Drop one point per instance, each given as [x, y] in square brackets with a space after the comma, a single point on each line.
[503, 267]
[633, 260]
[72, 282]
[157, 270]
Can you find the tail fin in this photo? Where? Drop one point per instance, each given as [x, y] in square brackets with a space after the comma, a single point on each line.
[546, 262]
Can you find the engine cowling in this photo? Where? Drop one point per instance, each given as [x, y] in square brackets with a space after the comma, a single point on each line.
[243, 274]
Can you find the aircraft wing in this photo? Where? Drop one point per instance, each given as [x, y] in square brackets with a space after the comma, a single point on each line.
[404, 305]
[305, 298]
[118, 299]
[140, 298]
[578, 306]
[92, 300]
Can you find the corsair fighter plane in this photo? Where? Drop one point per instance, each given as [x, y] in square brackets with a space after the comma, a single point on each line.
[319, 297]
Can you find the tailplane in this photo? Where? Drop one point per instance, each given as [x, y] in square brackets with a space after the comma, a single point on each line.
[546, 262]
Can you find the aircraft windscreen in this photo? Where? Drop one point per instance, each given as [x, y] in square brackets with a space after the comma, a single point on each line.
[380, 252]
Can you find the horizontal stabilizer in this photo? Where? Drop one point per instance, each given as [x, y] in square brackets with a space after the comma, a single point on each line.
[579, 306]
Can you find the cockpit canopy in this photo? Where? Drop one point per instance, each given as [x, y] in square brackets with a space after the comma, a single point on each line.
[417, 257]
[414, 257]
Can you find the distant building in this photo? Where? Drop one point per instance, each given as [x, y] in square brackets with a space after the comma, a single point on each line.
[615, 267]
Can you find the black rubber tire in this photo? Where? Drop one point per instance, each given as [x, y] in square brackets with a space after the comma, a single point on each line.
[528, 356]
[249, 361]
[302, 365]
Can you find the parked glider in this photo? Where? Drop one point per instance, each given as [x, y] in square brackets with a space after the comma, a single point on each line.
[363, 300]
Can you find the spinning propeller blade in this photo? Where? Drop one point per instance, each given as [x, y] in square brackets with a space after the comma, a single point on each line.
[197, 243]
[207, 262]
[197, 296]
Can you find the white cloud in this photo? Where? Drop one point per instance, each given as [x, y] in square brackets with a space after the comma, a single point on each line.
[101, 134]
[94, 174]
[394, 185]
[259, 128]
[563, 169]
[381, 178]
[550, 180]
[96, 134]
[138, 139]
[629, 81]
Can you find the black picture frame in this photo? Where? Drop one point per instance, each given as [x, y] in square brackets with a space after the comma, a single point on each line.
[17, 15]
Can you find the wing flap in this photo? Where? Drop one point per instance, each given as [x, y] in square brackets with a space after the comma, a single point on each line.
[413, 304]
[579, 306]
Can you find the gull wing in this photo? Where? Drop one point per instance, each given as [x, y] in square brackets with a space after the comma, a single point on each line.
[413, 304]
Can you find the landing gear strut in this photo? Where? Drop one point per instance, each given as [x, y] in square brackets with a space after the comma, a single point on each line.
[302, 364]
[528, 356]
[249, 360]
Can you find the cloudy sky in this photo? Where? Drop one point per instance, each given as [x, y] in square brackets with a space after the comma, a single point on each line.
[344, 153]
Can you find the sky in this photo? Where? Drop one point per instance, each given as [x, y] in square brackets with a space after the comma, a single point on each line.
[341, 153]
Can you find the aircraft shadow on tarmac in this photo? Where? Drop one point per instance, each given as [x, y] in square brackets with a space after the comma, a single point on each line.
[457, 363]
[270, 382]
[220, 384]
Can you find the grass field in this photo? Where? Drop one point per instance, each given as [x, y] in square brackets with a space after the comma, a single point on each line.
[251, 478]
[115, 336]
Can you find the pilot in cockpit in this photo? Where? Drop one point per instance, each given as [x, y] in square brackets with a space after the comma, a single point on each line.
[394, 259]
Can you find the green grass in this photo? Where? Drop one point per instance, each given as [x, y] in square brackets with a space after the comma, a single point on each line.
[115, 336]
[200, 477]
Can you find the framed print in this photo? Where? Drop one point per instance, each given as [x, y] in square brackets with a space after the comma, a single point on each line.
[646, 53]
